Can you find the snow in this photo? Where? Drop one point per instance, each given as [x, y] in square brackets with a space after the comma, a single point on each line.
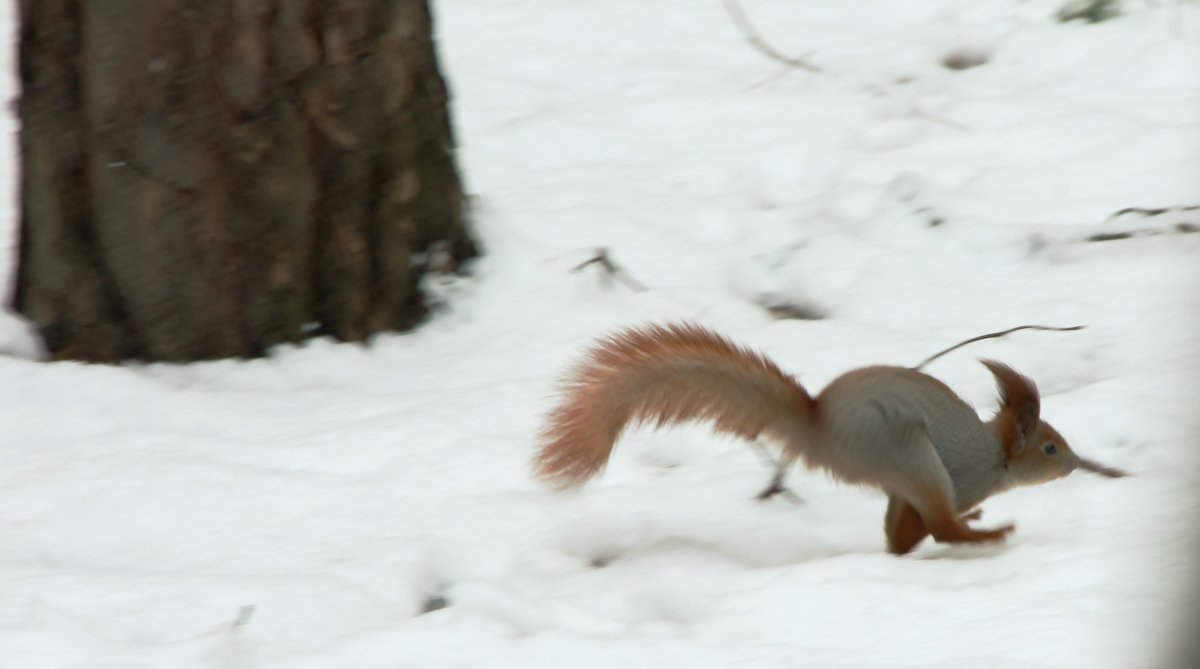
[373, 505]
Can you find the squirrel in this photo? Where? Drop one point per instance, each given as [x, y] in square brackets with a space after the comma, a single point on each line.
[896, 429]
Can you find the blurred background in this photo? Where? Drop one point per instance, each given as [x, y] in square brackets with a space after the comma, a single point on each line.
[336, 255]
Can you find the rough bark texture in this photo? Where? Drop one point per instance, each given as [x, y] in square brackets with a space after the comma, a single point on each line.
[207, 179]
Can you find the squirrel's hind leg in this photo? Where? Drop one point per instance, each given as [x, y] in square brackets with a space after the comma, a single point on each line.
[903, 526]
[922, 482]
[938, 515]
[781, 465]
[776, 486]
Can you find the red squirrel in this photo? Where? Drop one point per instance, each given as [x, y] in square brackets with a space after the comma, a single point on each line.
[896, 429]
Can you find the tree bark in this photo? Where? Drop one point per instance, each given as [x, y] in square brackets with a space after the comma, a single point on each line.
[208, 179]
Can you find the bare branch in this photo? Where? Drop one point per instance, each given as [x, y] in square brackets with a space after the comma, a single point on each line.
[243, 616]
[755, 39]
[1178, 228]
[995, 335]
[611, 269]
[1154, 211]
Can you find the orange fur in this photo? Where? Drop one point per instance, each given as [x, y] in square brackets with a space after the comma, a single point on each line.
[895, 429]
[1020, 405]
[939, 517]
[904, 527]
[662, 375]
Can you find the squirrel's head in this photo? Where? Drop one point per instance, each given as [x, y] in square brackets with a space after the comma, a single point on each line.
[1034, 452]
[1044, 457]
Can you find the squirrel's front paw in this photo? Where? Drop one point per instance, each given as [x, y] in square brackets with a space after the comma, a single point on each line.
[1005, 530]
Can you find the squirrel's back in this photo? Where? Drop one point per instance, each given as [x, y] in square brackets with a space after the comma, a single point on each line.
[864, 408]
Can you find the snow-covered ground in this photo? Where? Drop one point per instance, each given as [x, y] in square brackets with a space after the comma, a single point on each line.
[374, 505]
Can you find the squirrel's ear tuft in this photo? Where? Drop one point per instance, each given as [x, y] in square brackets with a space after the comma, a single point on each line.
[1020, 404]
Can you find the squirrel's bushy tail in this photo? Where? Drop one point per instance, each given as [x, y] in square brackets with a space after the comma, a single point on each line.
[664, 375]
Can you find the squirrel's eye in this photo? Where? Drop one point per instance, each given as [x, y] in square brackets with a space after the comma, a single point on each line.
[1050, 449]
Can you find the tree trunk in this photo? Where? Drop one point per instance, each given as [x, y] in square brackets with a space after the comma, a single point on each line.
[208, 179]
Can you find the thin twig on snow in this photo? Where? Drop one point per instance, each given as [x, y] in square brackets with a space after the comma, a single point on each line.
[611, 269]
[755, 39]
